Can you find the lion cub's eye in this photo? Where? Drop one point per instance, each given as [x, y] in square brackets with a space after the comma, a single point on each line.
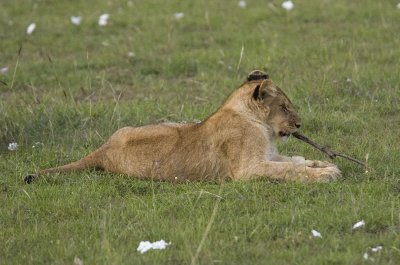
[284, 108]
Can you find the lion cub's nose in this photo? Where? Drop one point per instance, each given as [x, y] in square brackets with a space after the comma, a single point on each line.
[298, 125]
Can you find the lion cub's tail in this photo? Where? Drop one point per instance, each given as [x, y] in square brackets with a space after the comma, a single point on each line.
[92, 161]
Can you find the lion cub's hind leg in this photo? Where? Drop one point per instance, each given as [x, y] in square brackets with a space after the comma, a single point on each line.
[28, 179]
[92, 161]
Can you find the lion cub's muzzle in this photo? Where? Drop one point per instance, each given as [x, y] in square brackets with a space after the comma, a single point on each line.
[291, 130]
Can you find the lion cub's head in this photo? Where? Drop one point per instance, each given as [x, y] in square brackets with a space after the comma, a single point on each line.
[273, 106]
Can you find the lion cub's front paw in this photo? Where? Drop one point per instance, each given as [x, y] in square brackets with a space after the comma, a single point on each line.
[299, 160]
[318, 164]
[325, 174]
[319, 174]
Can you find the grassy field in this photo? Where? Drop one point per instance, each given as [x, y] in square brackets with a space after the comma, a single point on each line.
[68, 87]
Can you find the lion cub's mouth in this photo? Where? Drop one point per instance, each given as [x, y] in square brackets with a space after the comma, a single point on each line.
[284, 134]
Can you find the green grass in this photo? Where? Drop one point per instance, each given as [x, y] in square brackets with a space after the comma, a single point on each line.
[72, 86]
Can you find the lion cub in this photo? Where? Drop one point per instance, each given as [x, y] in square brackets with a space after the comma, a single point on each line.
[236, 142]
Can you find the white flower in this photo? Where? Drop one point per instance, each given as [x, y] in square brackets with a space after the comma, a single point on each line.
[242, 4]
[359, 224]
[288, 5]
[376, 249]
[179, 16]
[31, 28]
[77, 261]
[37, 144]
[398, 5]
[12, 146]
[103, 19]
[145, 246]
[315, 233]
[76, 20]
[366, 256]
[4, 70]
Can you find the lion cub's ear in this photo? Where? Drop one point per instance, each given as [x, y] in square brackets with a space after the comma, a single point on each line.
[257, 75]
[264, 90]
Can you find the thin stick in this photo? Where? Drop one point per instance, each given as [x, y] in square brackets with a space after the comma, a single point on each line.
[240, 58]
[208, 228]
[331, 153]
[16, 67]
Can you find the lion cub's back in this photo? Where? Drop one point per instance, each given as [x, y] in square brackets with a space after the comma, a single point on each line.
[145, 135]
[138, 151]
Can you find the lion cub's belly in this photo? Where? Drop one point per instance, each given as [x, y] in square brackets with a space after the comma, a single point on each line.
[166, 152]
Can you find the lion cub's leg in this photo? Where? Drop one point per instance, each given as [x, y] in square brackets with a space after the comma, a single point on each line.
[291, 171]
[299, 160]
[93, 160]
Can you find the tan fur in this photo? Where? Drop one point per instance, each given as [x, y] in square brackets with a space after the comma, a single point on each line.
[236, 142]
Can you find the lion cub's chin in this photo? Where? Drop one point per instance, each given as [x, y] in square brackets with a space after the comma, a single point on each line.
[285, 138]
